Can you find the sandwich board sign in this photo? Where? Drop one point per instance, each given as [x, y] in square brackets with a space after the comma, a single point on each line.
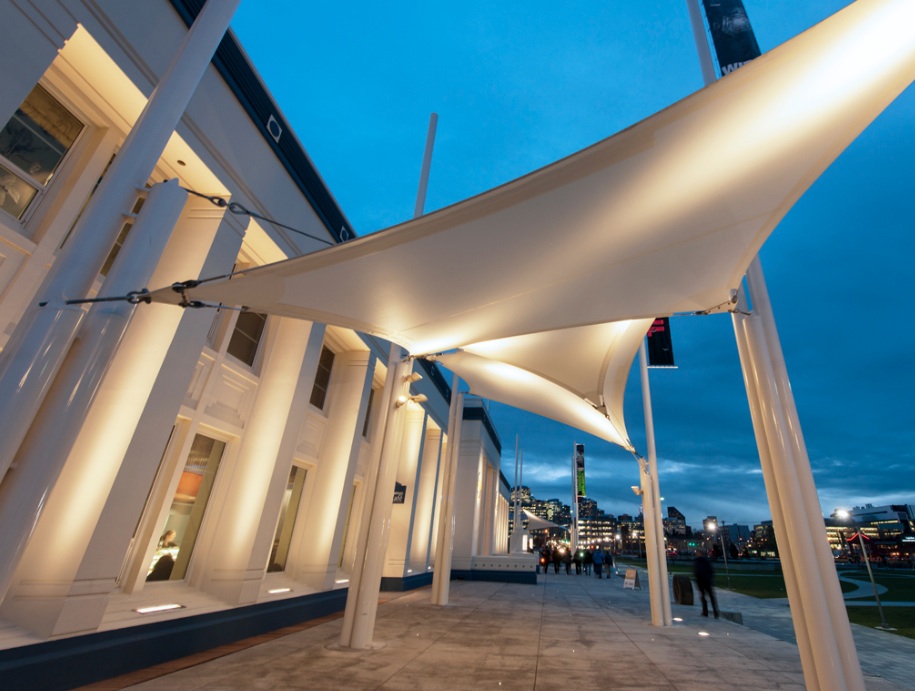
[632, 580]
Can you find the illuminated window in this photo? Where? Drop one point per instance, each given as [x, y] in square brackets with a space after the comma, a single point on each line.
[283, 536]
[176, 541]
[322, 378]
[32, 146]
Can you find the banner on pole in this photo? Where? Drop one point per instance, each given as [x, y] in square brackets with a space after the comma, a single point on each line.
[660, 345]
[580, 469]
[733, 37]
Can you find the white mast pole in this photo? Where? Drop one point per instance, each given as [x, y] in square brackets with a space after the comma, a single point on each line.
[515, 543]
[828, 654]
[655, 535]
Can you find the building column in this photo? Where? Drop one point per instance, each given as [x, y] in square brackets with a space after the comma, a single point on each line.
[339, 456]
[34, 41]
[125, 517]
[42, 338]
[403, 516]
[420, 557]
[240, 544]
[78, 545]
[25, 490]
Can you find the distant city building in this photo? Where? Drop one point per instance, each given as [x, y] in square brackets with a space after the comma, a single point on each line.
[525, 494]
[888, 531]
[587, 508]
[600, 530]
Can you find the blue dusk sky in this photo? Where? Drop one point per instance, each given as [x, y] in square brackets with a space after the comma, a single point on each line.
[518, 86]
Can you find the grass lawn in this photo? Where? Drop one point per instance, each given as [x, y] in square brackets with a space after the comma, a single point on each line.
[900, 587]
[900, 618]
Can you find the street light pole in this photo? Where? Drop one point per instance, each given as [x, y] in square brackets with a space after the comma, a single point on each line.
[867, 563]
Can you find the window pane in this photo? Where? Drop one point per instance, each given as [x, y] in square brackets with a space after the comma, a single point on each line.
[176, 543]
[118, 244]
[39, 135]
[368, 414]
[288, 513]
[247, 335]
[15, 193]
[322, 378]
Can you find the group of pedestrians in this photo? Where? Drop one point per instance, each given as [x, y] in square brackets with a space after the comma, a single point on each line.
[585, 560]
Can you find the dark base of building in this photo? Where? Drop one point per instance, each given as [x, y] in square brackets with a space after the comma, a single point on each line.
[524, 577]
[400, 585]
[73, 662]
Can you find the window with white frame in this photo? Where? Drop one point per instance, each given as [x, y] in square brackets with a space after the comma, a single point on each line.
[282, 538]
[33, 144]
[249, 327]
[179, 534]
[322, 378]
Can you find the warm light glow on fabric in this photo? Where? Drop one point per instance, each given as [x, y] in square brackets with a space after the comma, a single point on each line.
[632, 227]
[527, 391]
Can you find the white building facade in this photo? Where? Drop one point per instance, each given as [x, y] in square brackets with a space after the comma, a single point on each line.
[220, 457]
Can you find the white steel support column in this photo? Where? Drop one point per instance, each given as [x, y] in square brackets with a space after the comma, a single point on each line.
[24, 492]
[828, 653]
[441, 578]
[800, 543]
[804, 514]
[365, 582]
[789, 569]
[665, 617]
[651, 552]
[38, 346]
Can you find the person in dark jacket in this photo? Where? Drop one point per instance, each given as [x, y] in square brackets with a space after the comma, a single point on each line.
[598, 558]
[705, 580]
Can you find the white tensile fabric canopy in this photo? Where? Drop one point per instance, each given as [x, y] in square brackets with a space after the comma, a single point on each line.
[590, 373]
[661, 218]
[534, 522]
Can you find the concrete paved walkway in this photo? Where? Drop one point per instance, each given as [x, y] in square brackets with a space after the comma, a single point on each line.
[567, 632]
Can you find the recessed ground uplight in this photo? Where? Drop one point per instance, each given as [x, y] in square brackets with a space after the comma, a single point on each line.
[680, 619]
[704, 633]
[158, 608]
[277, 591]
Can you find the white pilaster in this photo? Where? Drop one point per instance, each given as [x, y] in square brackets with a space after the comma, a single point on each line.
[327, 511]
[41, 340]
[403, 516]
[240, 544]
[122, 436]
[27, 33]
[25, 492]
[420, 557]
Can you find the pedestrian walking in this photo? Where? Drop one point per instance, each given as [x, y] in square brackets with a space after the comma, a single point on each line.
[705, 580]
